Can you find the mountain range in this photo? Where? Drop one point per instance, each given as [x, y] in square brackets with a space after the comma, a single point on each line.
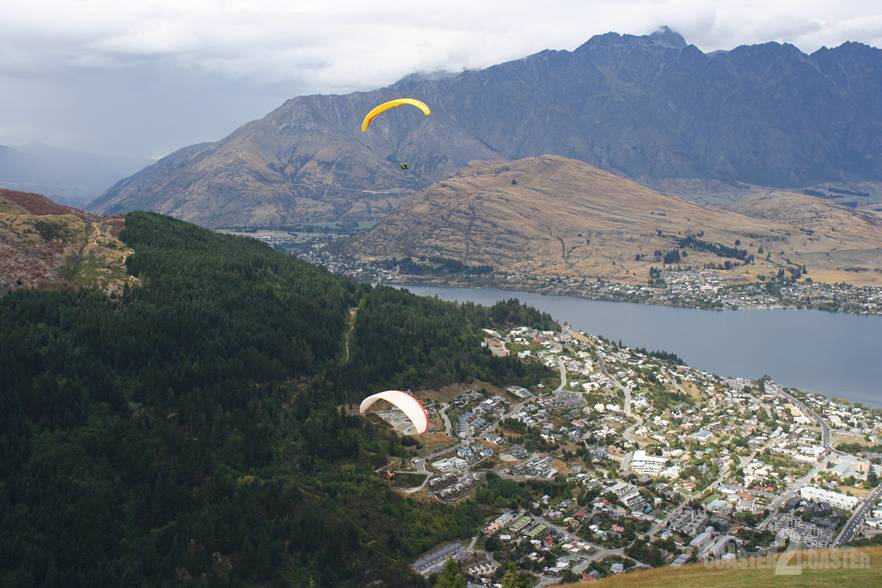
[653, 108]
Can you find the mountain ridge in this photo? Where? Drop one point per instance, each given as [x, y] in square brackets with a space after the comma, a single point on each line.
[647, 107]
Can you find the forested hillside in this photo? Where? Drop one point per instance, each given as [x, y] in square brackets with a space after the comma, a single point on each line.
[189, 433]
[404, 341]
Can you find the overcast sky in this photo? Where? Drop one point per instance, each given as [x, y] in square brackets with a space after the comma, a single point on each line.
[146, 77]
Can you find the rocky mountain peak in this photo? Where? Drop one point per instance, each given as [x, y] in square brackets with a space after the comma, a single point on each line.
[669, 38]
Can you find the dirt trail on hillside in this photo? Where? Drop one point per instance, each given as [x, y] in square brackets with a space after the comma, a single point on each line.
[350, 326]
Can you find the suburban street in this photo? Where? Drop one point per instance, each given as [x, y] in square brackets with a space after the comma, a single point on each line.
[857, 519]
[420, 462]
[597, 552]
[447, 426]
[625, 391]
[792, 489]
[826, 433]
[628, 433]
[611, 370]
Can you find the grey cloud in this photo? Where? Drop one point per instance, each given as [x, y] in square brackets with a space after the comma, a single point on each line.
[146, 77]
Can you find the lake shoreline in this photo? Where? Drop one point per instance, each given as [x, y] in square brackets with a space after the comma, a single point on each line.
[826, 353]
[526, 290]
[492, 282]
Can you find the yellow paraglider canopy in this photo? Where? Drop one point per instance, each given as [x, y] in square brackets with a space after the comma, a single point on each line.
[378, 110]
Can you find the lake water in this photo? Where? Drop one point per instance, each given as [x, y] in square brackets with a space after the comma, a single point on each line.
[832, 354]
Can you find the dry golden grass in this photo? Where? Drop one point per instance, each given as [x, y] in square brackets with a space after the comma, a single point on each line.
[562, 466]
[840, 438]
[434, 441]
[562, 217]
[849, 277]
[829, 238]
[444, 394]
[837, 571]
[858, 491]
[451, 391]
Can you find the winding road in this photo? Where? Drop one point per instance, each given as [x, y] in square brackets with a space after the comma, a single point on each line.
[563, 375]
[628, 433]
[597, 552]
[447, 426]
[420, 462]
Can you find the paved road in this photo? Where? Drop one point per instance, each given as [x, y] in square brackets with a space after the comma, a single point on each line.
[421, 462]
[563, 374]
[421, 469]
[447, 426]
[597, 552]
[628, 433]
[625, 390]
[826, 433]
[857, 519]
[792, 489]
[826, 441]
[656, 527]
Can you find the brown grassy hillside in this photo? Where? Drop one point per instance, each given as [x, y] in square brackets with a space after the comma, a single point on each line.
[550, 216]
[841, 243]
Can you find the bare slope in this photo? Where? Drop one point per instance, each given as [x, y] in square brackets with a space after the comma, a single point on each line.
[306, 162]
[841, 243]
[552, 216]
[45, 244]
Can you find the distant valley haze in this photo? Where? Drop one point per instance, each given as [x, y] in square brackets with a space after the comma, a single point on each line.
[68, 176]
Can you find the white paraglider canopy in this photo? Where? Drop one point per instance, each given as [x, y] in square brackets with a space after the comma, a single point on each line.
[404, 402]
